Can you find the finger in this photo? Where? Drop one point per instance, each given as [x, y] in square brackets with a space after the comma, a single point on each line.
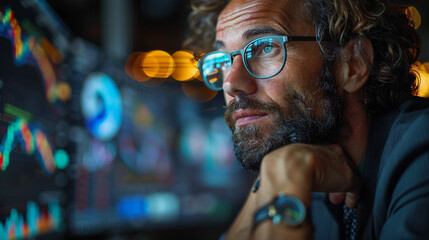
[337, 198]
[352, 199]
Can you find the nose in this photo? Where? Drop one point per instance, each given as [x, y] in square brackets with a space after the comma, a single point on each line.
[239, 81]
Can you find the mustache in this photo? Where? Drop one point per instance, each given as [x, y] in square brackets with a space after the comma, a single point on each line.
[248, 103]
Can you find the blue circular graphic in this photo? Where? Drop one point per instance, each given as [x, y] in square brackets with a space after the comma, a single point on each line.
[101, 106]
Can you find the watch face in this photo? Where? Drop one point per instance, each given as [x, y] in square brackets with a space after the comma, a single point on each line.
[289, 210]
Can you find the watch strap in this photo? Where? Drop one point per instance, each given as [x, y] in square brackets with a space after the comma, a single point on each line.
[261, 215]
[285, 209]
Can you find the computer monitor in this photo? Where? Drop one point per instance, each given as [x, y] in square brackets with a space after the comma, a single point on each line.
[88, 151]
[34, 151]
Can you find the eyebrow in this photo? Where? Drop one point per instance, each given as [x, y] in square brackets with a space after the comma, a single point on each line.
[251, 33]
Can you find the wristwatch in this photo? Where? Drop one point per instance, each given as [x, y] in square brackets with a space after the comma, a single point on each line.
[284, 209]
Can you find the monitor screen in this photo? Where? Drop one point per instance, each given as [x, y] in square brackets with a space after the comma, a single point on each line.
[34, 149]
[88, 150]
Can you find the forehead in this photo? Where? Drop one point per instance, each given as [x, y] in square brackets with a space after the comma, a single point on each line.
[287, 17]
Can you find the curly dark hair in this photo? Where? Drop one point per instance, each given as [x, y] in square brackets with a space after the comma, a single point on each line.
[388, 26]
[203, 20]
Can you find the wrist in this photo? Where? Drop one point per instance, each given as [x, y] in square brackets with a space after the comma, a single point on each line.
[268, 230]
[283, 210]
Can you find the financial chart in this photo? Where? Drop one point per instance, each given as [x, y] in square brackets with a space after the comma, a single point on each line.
[87, 150]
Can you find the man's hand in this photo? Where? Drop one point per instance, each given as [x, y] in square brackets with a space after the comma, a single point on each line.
[298, 169]
[305, 168]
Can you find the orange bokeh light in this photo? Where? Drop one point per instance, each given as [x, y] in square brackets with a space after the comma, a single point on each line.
[423, 72]
[413, 14]
[186, 68]
[158, 64]
[133, 67]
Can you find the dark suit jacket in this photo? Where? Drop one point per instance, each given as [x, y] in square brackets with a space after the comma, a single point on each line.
[395, 199]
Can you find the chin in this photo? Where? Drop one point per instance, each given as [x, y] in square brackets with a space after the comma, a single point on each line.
[253, 142]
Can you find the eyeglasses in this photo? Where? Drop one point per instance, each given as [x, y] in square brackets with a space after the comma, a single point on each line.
[263, 58]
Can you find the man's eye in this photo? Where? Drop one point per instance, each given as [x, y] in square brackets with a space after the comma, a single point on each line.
[268, 48]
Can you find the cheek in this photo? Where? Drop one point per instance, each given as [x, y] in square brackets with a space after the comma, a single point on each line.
[296, 78]
[276, 90]
[305, 73]
[305, 62]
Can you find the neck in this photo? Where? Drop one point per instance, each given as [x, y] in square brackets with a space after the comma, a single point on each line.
[356, 131]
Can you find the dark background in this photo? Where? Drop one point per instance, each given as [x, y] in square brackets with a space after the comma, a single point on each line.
[121, 27]
[161, 24]
[151, 24]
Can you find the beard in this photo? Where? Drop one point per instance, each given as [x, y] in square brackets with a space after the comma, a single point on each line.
[298, 121]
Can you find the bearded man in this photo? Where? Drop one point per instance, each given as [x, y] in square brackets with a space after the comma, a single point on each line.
[319, 98]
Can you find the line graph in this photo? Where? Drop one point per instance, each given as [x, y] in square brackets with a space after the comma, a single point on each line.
[29, 49]
[33, 141]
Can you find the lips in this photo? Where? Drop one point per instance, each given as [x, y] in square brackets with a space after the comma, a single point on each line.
[243, 117]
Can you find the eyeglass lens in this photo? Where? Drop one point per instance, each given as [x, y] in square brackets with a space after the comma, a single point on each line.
[262, 58]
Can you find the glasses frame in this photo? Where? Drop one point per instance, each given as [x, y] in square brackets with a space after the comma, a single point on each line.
[283, 39]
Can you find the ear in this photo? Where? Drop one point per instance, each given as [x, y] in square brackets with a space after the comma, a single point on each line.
[354, 64]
